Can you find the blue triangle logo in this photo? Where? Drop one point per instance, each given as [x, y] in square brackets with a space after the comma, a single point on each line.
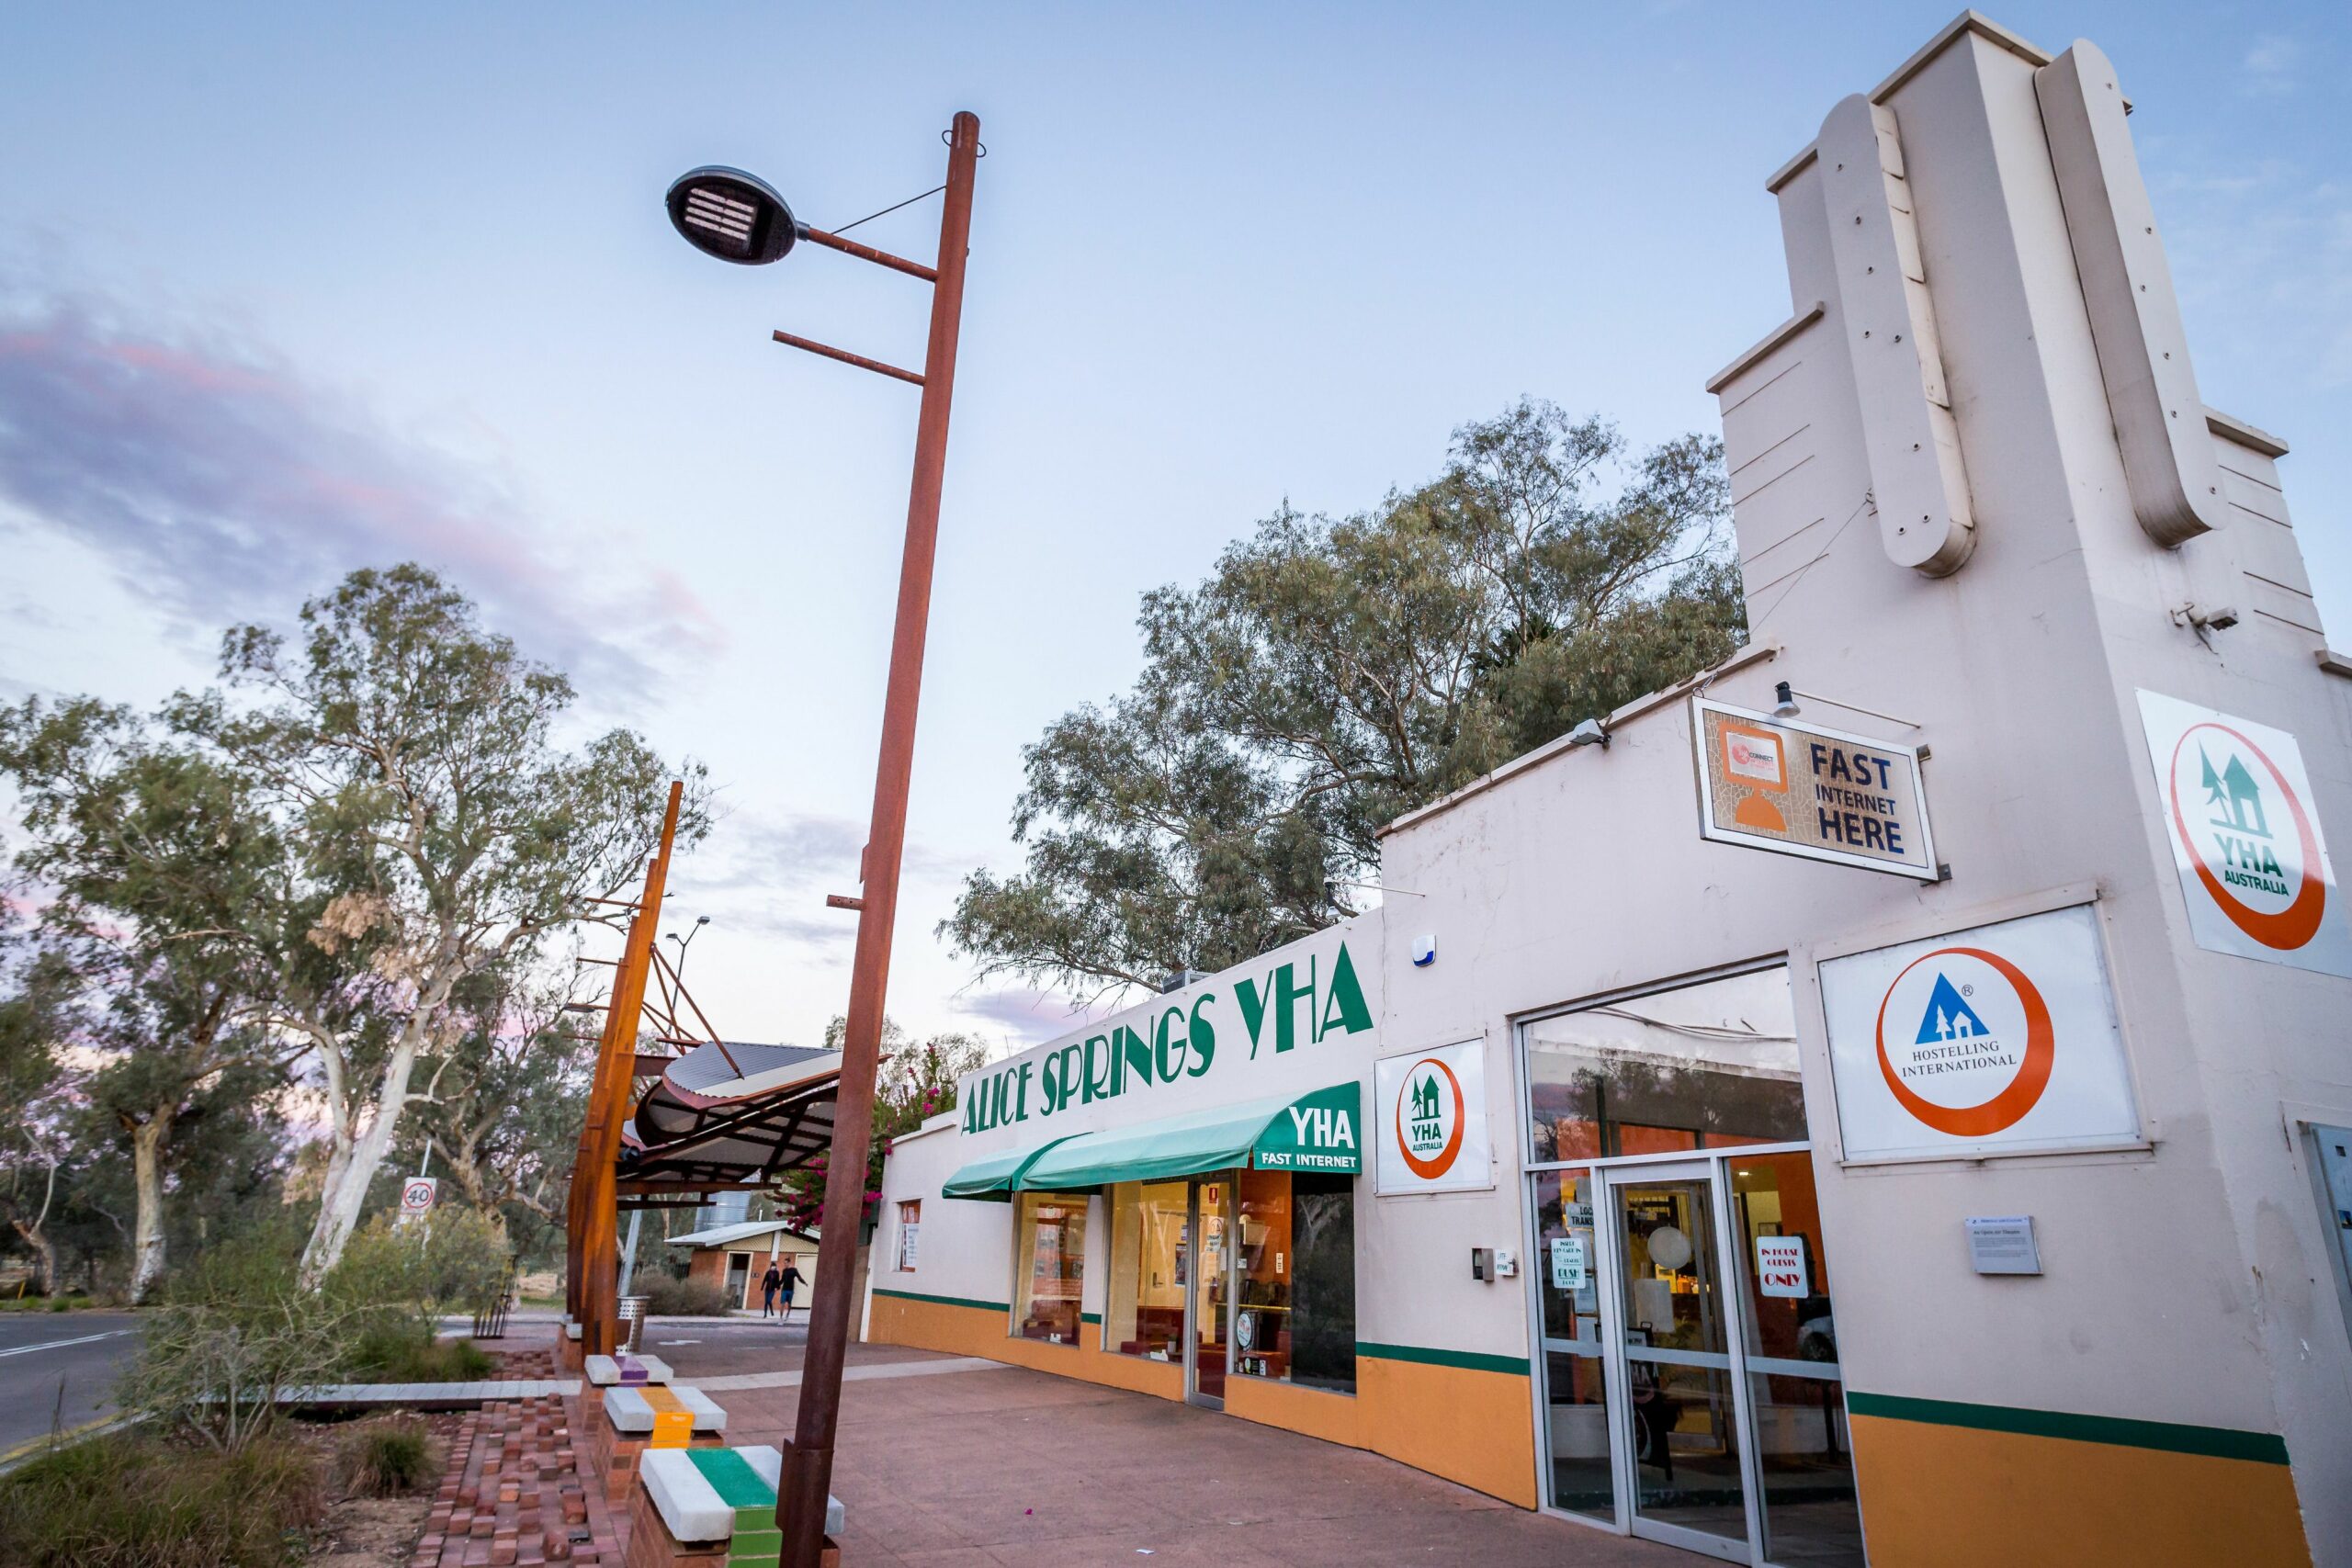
[1947, 1016]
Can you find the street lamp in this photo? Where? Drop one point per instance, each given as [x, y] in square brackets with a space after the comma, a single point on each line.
[737, 218]
[687, 941]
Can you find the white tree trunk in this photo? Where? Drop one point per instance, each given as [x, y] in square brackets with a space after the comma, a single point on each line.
[356, 1162]
[147, 1141]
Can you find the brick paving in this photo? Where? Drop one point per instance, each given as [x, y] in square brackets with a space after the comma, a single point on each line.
[514, 1494]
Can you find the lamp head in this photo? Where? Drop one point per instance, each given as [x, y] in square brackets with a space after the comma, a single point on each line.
[1588, 733]
[736, 216]
[1785, 703]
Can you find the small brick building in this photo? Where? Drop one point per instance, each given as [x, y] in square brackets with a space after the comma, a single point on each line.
[735, 1258]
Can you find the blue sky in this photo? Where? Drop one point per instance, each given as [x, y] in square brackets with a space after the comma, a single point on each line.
[288, 290]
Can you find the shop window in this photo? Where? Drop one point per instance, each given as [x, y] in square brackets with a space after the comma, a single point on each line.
[909, 1233]
[1709, 1065]
[1296, 1321]
[1051, 1265]
[1145, 1310]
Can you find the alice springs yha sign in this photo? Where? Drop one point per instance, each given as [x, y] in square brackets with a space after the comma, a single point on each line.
[1305, 999]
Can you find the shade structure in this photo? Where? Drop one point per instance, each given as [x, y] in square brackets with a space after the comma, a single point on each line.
[995, 1176]
[737, 1115]
[1321, 1130]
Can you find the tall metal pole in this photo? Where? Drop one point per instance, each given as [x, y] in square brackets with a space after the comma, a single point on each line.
[809, 1468]
[608, 1099]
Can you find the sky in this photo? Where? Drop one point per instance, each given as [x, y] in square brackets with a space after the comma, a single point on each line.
[288, 290]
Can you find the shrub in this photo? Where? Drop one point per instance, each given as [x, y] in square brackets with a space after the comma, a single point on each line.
[399, 1281]
[235, 1330]
[127, 1501]
[666, 1296]
[396, 1355]
[384, 1459]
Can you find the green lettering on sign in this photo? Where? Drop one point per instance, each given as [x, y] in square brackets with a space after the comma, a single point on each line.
[1320, 1132]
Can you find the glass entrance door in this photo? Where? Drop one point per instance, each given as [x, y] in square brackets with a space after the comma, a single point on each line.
[1683, 1416]
[1207, 1293]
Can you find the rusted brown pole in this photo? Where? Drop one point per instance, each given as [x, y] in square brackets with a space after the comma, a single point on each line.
[609, 1100]
[809, 1468]
[867, 252]
[847, 358]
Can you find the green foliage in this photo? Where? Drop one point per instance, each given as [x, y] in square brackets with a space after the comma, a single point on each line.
[913, 1082]
[384, 1459]
[137, 1501]
[1331, 674]
[235, 1330]
[669, 1296]
[403, 1280]
[394, 1354]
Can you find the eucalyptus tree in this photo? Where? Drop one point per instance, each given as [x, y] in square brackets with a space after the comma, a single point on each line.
[505, 1100]
[150, 857]
[442, 832]
[36, 1106]
[1333, 673]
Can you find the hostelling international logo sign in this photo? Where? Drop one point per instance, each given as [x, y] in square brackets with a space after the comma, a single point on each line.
[1998, 1040]
[2245, 838]
[1433, 1121]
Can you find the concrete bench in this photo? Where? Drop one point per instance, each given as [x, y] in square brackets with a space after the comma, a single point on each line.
[713, 1508]
[637, 1420]
[625, 1370]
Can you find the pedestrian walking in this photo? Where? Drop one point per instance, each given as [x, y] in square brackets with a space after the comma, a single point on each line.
[768, 1285]
[791, 1283]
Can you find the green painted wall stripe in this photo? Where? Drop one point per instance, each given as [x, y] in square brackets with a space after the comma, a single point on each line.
[1469, 1361]
[2166, 1436]
[944, 1300]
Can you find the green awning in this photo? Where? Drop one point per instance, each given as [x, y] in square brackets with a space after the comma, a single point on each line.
[993, 1176]
[1318, 1132]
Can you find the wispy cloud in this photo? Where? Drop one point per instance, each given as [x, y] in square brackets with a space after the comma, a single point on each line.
[2270, 62]
[1036, 1016]
[769, 872]
[220, 481]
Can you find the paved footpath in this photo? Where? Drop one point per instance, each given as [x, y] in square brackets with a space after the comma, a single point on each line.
[948, 1463]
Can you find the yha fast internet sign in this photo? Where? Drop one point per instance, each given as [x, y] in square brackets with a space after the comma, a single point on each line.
[2245, 838]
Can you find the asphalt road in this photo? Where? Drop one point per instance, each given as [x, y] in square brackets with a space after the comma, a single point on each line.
[39, 1351]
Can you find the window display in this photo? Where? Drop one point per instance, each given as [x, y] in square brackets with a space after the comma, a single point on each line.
[1050, 1265]
[1145, 1316]
[1296, 1321]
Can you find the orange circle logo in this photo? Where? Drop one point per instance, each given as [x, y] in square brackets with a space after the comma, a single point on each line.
[1955, 1054]
[2235, 847]
[1430, 1117]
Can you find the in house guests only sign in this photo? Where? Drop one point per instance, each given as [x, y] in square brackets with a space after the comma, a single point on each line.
[1781, 1267]
[1429, 1120]
[2245, 838]
[1798, 789]
[1999, 1039]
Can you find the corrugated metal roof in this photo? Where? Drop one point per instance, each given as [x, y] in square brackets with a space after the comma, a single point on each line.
[705, 1065]
[720, 1235]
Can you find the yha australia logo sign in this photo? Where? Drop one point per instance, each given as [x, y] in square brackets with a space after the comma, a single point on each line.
[1430, 1117]
[2245, 836]
[1431, 1113]
[2000, 1039]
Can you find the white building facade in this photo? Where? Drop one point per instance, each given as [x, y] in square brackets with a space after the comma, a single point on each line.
[1889, 1101]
